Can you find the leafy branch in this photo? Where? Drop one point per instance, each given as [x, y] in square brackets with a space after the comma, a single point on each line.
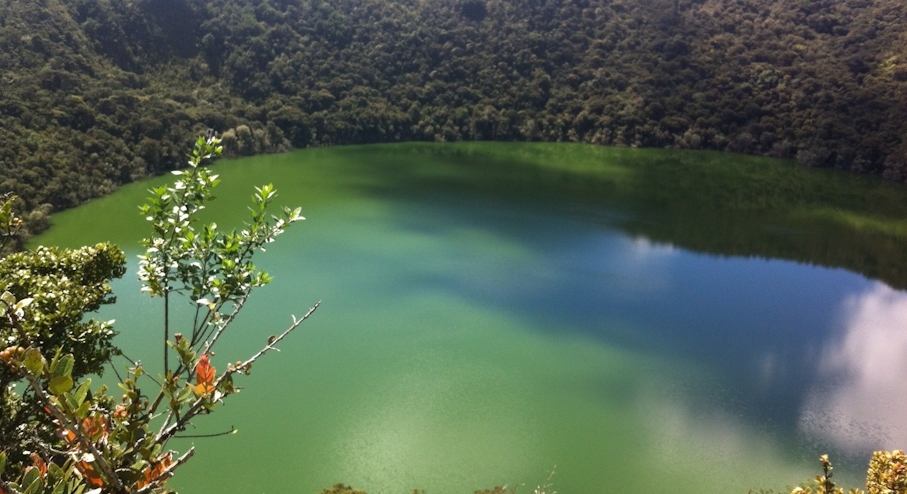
[107, 446]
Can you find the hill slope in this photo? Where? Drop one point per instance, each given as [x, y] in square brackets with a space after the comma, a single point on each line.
[96, 93]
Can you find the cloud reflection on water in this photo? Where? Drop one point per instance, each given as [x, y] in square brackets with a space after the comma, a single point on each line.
[859, 402]
[644, 249]
[710, 443]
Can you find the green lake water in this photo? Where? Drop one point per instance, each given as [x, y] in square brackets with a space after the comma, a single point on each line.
[644, 320]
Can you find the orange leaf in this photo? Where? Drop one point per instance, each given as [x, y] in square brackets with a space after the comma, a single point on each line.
[145, 480]
[67, 435]
[155, 471]
[90, 474]
[204, 371]
[42, 466]
[202, 389]
[95, 428]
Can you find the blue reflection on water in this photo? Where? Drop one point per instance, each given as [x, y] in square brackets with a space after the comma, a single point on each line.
[764, 327]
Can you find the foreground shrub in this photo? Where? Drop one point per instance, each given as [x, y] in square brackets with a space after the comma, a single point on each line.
[63, 436]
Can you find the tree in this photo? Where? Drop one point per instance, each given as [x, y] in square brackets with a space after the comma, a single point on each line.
[10, 223]
[56, 288]
[78, 438]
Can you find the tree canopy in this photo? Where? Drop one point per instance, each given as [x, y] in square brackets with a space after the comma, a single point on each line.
[96, 94]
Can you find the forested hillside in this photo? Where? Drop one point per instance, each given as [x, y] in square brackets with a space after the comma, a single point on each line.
[96, 93]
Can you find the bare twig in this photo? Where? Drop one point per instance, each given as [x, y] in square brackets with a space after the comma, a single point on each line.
[135, 363]
[543, 489]
[167, 432]
[114, 367]
[239, 305]
[273, 342]
[48, 449]
[232, 430]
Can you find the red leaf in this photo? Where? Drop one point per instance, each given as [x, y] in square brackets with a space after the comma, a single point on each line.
[204, 371]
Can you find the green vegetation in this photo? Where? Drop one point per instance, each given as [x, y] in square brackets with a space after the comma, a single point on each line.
[96, 94]
[62, 286]
[887, 474]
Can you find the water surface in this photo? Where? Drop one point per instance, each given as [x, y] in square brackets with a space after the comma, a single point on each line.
[643, 320]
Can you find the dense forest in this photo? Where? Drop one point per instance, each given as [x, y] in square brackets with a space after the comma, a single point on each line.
[97, 93]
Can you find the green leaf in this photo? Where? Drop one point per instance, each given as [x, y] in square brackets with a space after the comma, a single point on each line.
[64, 366]
[2, 461]
[184, 394]
[56, 358]
[36, 487]
[60, 488]
[226, 385]
[83, 410]
[33, 361]
[8, 298]
[70, 401]
[54, 470]
[30, 478]
[59, 385]
[81, 392]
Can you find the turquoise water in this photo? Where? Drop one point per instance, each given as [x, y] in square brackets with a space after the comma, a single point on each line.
[642, 320]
